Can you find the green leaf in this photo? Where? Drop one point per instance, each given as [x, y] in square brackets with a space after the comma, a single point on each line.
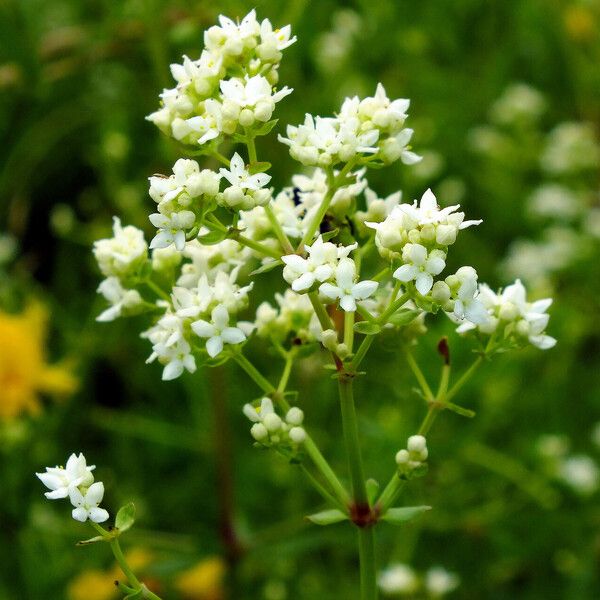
[212, 237]
[266, 267]
[330, 234]
[125, 517]
[367, 328]
[372, 490]
[403, 317]
[259, 167]
[94, 540]
[396, 516]
[459, 410]
[266, 128]
[328, 517]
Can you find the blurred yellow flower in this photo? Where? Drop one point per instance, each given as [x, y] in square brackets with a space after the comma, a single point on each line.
[93, 585]
[24, 372]
[580, 23]
[100, 585]
[204, 581]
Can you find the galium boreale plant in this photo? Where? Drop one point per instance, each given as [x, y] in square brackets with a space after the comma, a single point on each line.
[351, 270]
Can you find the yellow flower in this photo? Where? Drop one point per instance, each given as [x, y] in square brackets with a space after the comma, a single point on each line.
[204, 581]
[24, 372]
[93, 585]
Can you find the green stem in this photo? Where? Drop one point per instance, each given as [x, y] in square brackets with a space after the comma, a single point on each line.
[157, 290]
[362, 350]
[322, 490]
[349, 330]
[412, 363]
[251, 148]
[309, 445]
[333, 185]
[363, 312]
[393, 307]
[390, 493]
[324, 320]
[368, 568]
[350, 426]
[222, 159]
[281, 236]
[257, 246]
[285, 376]
[464, 378]
[120, 558]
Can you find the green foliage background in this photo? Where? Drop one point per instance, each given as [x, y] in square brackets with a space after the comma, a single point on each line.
[77, 79]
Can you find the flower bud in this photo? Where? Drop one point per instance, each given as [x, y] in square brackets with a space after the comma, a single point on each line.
[246, 118]
[402, 457]
[445, 235]
[294, 416]
[416, 443]
[297, 435]
[259, 432]
[272, 422]
[440, 292]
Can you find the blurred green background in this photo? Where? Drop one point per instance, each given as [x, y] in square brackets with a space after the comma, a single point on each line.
[505, 103]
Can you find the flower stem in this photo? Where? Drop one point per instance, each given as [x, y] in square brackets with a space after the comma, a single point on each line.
[368, 569]
[122, 562]
[390, 493]
[393, 307]
[309, 445]
[322, 315]
[362, 350]
[157, 290]
[412, 363]
[281, 236]
[349, 330]
[257, 246]
[464, 378]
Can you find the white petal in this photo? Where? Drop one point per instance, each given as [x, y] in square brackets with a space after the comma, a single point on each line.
[203, 329]
[95, 493]
[423, 283]
[543, 342]
[363, 289]
[98, 515]
[172, 371]
[406, 273]
[348, 303]
[233, 335]
[410, 158]
[80, 514]
[220, 316]
[303, 282]
[330, 291]
[214, 346]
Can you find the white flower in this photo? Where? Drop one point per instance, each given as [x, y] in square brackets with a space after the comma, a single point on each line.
[420, 266]
[440, 582]
[121, 299]
[250, 99]
[466, 304]
[206, 126]
[346, 289]
[170, 346]
[218, 331]
[508, 311]
[303, 273]
[172, 230]
[86, 503]
[61, 480]
[230, 38]
[122, 254]
[238, 176]
[270, 429]
[398, 579]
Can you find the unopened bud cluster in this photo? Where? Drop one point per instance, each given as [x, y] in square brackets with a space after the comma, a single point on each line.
[412, 461]
[270, 430]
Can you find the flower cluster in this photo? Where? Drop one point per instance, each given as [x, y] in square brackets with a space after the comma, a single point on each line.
[229, 87]
[182, 198]
[121, 260]
[511, 319]
[293, 319]
[401, 579]
[412, 461]
[269, 429]
[368, 129]
[200, 313]
[76, 482]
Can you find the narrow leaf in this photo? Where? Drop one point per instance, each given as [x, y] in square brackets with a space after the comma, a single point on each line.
[259, 167]
[372, 490]
[266, 267]
[94, 540]
[403, 317]
[266, 128]
[459, 410]
[328, 517]
[403, 514]
[367, 328]
[212, 237]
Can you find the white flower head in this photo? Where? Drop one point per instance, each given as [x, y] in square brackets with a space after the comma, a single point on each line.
[345, 288]
[123, 301]
[123, 254]
[61, 480]
[218, 331]
[420, 266]
[172, 230]
[87, 502]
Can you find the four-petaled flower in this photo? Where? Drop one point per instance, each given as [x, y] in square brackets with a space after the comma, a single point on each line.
[238, 176]
[61, 480]
[218, 332]
[346, 289]
[420, 266]
[86, 503]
